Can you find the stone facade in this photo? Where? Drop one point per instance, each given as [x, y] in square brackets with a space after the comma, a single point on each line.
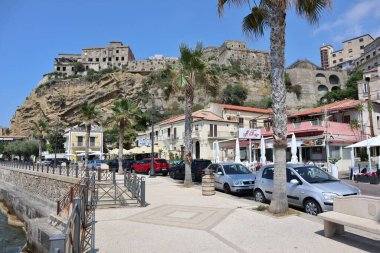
[237, 51]
[315, 82]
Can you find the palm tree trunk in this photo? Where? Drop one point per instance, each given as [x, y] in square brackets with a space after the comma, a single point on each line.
[121, 141]
[86, 144]
[39, 149]
[189, 100]
[279, 203]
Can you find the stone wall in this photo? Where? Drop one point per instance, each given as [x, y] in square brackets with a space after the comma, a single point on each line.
[44, 185]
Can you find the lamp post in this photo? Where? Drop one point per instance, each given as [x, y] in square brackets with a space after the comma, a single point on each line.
[161, 111]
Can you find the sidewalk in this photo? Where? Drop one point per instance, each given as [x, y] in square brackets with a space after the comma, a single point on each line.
[182, 220]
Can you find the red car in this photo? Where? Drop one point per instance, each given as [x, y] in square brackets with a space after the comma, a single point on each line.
[143, 166]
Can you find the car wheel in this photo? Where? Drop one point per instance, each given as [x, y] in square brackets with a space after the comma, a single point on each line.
[227, 189]
[312, 207]
[259, 196]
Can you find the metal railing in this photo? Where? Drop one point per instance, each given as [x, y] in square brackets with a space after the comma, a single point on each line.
[136, 186]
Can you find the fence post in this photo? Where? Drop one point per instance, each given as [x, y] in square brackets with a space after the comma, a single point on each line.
[134, 185]
[67, 169]
[76, 170]
[99, 174]
[113, 176]
[53, 167]
[42, 167]
[33, 166]
[142, 191]
[77, 222]
[60, 169]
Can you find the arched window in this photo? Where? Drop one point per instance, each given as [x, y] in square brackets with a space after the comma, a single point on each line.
[333, 79]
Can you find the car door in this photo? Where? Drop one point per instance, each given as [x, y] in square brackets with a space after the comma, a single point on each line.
[293, 190]
[218, 178]
[266, 182]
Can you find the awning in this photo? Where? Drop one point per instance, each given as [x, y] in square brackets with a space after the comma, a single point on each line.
[373, 142]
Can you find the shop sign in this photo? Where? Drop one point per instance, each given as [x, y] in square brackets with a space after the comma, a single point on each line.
[249, 133]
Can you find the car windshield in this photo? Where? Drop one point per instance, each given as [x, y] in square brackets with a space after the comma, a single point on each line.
[314, 175]
[235, 169]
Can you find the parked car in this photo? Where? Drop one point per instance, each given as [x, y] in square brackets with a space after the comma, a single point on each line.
[307, 186]
[232, 177]
[54, 161]
[197, 167]
[127, 164]
[95, 164]
[159, 165]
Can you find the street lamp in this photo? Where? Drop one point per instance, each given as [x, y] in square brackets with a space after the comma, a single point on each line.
[161, 111]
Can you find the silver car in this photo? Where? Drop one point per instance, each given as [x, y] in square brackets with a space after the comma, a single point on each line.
[232, 177]
[307, 186]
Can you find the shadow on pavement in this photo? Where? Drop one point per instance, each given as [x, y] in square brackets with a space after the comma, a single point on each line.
[357, 241]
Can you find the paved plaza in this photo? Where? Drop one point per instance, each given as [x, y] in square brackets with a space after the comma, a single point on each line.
[180, 219]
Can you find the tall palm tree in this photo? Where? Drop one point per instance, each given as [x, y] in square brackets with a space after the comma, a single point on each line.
[193, 72]
[125, 113]
[271, 14]
[89, 114]
[39, 129]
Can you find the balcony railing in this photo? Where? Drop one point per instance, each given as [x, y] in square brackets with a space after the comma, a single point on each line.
[223, 134]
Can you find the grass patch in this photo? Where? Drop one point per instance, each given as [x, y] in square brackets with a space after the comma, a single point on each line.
[262, 208]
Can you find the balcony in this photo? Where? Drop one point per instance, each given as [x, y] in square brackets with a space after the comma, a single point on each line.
[223, 134]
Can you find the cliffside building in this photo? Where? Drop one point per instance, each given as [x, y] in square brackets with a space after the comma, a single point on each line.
[371, 57]
[344, 58]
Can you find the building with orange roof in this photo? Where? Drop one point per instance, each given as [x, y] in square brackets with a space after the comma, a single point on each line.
[214, 123]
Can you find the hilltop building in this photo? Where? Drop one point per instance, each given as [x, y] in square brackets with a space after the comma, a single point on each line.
[370, 58]
[344, 58]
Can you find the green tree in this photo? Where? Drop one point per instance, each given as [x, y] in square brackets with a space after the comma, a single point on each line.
[125, 114]
[193, 72]
[349, 92]
[78, 68]
[90, 115]
[40, 129]
[271, 14]
[234, 94]
[56, 139]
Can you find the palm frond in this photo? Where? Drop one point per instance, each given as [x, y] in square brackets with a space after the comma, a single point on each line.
[221, 4]
[312, 9]
[255, 23]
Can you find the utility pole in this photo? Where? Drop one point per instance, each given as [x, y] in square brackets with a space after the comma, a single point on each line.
[326, 137]
[369, 105]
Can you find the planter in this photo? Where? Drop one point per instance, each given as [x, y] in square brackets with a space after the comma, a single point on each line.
[362, 178]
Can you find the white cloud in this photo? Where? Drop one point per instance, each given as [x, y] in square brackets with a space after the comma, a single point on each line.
[353, 22]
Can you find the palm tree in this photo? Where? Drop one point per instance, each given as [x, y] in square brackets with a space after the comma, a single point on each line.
[271, 14]
[193, 72]
[360, 108]
[39, 129]
[125, 114]
[89, 114]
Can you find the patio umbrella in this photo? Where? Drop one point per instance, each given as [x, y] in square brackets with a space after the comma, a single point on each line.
[293, 149]
[263, 159]
[237, 151]
[216, 152]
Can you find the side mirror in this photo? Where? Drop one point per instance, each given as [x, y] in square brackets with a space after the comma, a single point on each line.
[219, 173]
[294, 181]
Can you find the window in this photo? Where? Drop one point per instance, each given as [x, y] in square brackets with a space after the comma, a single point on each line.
[367, 57]
[268, 173]
[92, 141]
[109, 59]
[104, 59]
[72, 68]
[80, 141]
[253, 123]
[361, 47]
[169, 132]
[365, 87]
[122, 58]
[340, 60]
[334, 61]
[117, 51]
[333, 55]
[267, 124]
[64, 68]
[350, 50]
[117, 58]
[361, 40]
[213, 130]
[291, 175]
[90, 59]
[241, 122]
[58, 68]
[175, 133]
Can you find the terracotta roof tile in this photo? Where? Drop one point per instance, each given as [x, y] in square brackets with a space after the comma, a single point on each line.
[244, 108]
[340, 105]
[200, 115]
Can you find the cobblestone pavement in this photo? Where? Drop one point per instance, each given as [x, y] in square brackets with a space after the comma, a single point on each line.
[180, 219]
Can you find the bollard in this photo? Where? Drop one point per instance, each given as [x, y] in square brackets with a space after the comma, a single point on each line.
[134, 181]
[143, 191]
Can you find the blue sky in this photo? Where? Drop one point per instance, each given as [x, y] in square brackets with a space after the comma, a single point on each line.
[33, 32]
